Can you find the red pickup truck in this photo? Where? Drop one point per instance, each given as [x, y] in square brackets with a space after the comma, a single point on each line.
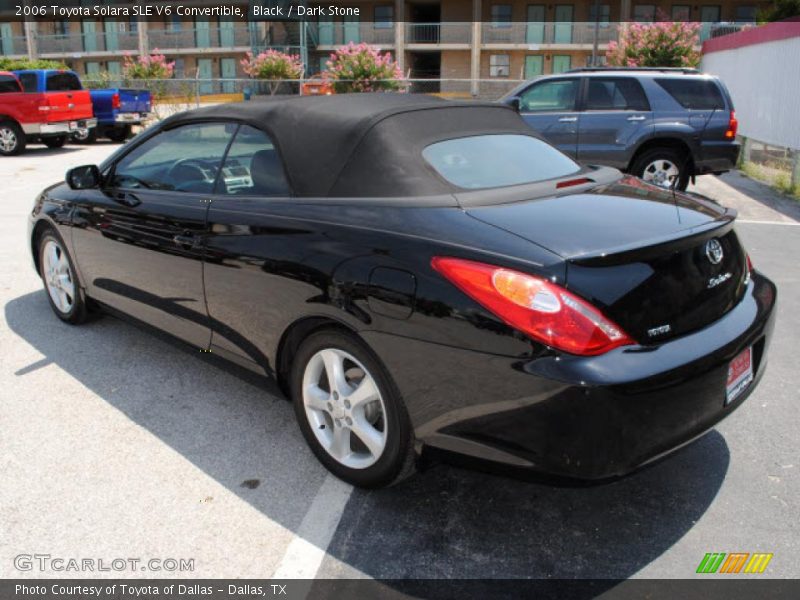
[48, 114]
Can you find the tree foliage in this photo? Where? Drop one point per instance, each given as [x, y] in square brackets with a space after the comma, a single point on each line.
[273, 66]
[779, 10]
[660, 44]
[362, 68]
[18, 64]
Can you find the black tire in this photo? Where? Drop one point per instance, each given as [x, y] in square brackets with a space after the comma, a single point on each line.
[12, 139]
[78, 311]
[650, 157]
[89, 138]
[397, 460]
[55, 142]
[119, 134]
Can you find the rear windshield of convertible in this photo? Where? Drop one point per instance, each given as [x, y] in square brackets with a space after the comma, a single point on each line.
[497, 160]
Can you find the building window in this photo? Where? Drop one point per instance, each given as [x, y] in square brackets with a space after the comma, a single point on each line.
[133, 26]
[499, 65]
[384, 17]
[644, 13]
[61, 28]
[605, 14]
[562, 63]
[501, 15]
[174, 23]
[745, 14]
[179, 72]
[681, 12]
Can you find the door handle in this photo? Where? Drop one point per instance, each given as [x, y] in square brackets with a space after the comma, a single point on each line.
[567, 119]
[636, 118]
[186, 240]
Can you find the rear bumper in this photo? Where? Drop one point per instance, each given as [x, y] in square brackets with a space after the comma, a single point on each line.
[588, 418]
[718, 157]
[58, 128]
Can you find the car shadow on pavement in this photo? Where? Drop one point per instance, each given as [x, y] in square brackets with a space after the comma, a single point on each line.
[762, 193]
[444, 523]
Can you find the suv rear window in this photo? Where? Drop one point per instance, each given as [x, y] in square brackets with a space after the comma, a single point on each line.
[698, 94]
[63, 82]
[8, 84]
[498, 160]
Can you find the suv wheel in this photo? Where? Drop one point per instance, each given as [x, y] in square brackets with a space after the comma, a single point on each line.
[349, 411]
[662, 166]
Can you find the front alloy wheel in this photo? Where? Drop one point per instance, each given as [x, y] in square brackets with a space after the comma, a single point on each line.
[349, 410]
[60, 281]
[12, 139]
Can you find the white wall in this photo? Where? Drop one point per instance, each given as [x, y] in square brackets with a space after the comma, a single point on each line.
[764, 81]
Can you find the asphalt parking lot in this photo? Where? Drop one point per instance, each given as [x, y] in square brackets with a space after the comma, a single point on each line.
[118, 443]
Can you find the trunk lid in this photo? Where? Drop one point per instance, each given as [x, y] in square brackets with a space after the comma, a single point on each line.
[68, 106]
[659, 265]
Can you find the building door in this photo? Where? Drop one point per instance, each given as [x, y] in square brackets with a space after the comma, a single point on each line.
[89, 36]
[6, 39]
[111, 29]
[93, 70]
[535, 31]
[325, 31]
[202, 35]
[563, 28]
[709, 15]
[227, 34]
[352, 30]
[228, 71]
[204, 75]
[114, 72]
[533, 66]
[562, 63]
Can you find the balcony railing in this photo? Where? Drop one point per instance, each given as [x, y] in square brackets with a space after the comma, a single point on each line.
[713, 30]
[338, 34]
[535, 33]
[199, 38]
[13, 45]
[100, 41]
[438, 33]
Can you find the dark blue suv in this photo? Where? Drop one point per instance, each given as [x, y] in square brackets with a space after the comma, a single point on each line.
[665, 126]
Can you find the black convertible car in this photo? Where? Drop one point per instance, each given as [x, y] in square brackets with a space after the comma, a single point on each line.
[420, 274]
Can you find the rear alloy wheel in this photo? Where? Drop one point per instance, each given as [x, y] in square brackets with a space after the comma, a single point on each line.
[58, 275]
[12, 139]
[348, 411]
[55, 142]
[663, 167]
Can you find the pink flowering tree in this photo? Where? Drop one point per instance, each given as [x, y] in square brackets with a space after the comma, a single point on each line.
[362, 68]
[149, 71]
[660, 44]
[273, 66]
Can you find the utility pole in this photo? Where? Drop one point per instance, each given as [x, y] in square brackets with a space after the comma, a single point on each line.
[596, 41]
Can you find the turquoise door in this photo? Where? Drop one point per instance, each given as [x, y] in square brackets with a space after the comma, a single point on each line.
[6, 39]
[228, 69]
[112, 37]
[352, 30]
[204, 74]
[533, 66]
[114, 72]
[227, 38]
[93, 71]
[534, 33]
[563, 28]
[89, 36]
[325, 31]
[202, 36]
[708, 15]
[562, 63]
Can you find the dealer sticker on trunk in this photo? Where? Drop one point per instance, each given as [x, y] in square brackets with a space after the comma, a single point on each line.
[740, 374]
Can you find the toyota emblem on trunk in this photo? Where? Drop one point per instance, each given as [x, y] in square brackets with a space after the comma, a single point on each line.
[714, 251]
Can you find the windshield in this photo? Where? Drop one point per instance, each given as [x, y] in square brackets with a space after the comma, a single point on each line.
[488, 161]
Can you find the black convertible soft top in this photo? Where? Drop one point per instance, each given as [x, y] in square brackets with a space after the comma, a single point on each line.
[363, 145]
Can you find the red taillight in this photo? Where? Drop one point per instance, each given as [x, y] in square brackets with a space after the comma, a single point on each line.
[115, 101]
[539, 308]
[733, 126]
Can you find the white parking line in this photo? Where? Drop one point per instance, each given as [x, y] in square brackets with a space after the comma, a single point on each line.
[756, 222]
[308, 547]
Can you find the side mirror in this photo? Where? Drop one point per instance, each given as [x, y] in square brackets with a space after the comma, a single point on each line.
[83, 178]
[514, 103]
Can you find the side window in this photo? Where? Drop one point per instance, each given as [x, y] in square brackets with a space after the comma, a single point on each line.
[8, 84]
[693, 93]
[550, 96]
[183, 159]
[28, 81]
[622, 93]
[253, 166]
